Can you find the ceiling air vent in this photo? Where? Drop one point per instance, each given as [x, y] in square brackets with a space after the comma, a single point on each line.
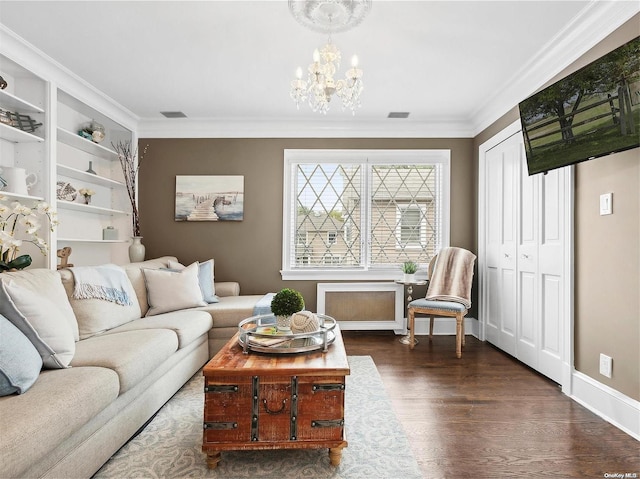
[398, 114]
[173, 114]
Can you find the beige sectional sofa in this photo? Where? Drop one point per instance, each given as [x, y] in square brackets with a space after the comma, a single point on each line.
[123, 369]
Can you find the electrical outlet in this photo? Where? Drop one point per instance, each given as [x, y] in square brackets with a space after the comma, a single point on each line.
[606, 365]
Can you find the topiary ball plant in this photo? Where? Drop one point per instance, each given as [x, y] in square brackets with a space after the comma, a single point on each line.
[286, 302]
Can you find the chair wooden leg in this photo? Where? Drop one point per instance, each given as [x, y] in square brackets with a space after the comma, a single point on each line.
[464, 338]
[411, 319]
[459, 336]
[431, 319]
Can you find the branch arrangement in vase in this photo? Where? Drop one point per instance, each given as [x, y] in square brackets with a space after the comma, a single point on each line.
[127, 155]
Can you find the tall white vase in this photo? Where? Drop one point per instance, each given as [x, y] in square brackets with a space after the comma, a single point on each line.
[136, 249]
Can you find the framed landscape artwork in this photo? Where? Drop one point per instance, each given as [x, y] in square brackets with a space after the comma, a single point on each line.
[209, 198]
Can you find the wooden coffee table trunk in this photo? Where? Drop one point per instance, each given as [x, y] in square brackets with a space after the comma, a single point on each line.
[284, 401]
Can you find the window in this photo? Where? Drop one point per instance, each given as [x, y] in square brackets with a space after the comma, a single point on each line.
[412, 225]
[363, 212]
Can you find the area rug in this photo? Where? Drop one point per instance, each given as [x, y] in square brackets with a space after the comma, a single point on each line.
[170, 446]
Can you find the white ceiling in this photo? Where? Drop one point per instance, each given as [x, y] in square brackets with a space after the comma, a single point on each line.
[456, 66]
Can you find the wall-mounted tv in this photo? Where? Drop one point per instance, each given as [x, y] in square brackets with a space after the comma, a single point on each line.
[593, 112]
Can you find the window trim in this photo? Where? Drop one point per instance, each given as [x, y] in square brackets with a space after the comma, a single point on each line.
[409, 156]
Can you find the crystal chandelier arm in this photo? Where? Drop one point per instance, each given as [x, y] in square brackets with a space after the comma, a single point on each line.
[321, 84]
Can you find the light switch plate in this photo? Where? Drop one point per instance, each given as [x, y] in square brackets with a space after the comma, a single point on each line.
[606, 206]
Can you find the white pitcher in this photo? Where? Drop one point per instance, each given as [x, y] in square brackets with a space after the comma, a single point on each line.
[18, 181]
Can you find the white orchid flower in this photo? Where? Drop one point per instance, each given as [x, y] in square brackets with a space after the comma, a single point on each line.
[20, 209]
[40, 243]
[24, 222]
[45, 208]
[9, 242]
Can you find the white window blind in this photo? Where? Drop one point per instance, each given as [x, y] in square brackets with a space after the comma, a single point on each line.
[363, 212]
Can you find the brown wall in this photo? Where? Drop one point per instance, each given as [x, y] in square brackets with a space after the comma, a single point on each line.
[607, 249]
[607, 270]
[250, 251]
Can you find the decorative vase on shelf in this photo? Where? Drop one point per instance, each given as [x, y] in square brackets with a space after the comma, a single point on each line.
[90, 170]
[97, 131]
[136, 249]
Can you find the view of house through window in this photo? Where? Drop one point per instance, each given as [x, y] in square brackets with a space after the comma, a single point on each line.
[364, 210]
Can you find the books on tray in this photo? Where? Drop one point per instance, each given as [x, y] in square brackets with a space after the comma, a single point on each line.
[274, 340]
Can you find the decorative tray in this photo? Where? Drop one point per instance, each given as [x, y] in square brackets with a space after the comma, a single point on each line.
[260, 334]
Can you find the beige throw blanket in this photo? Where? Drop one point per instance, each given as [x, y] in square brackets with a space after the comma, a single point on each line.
[452, 276]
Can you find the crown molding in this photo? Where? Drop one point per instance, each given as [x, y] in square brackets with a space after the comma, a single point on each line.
[274, 128]
[40, 64]
[591, 26]
[598, 20]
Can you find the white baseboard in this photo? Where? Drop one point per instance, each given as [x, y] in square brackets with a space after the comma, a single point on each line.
[604, 401]
[611, 405]
[444, 326]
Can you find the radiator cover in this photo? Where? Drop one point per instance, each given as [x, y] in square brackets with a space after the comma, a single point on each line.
[363, 306]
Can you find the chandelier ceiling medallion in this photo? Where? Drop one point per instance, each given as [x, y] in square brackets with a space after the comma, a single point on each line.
[328, 16]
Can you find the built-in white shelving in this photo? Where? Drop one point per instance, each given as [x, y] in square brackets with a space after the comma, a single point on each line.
[76, 141]
[25, 94]
[14, 103]
[55, 153]
[99, 210]
[16, 196]
[79, 240]
[16, 135]
[77, 174]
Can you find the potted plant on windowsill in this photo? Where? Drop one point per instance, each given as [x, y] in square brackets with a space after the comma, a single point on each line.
[409, 269]
[284, 304]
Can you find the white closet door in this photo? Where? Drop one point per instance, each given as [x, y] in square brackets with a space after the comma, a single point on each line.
[551, 264]
[502, 176]
[525, 244]
[527, 335]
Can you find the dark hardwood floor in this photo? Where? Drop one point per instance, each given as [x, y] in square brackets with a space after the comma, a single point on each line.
[487, 415]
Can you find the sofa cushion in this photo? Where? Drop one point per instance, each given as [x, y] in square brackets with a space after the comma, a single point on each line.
[133, 355]
[48, 285]
[205, 278]
[231, 309]
[134, 271]
[172, 290]
[59, 403]
[41, 321]
[188, 325]
[227, 288]
[97, 315]
[20, 362]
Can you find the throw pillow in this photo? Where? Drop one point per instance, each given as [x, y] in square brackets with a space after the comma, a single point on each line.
[47, 284]
[205, 278]
[41, 321]
[97, 315]
[20, 362]
[171, 291]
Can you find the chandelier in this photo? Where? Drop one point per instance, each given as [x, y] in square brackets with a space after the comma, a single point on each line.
[328, 16]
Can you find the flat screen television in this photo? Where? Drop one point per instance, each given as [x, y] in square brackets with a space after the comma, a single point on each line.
[593, 112]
